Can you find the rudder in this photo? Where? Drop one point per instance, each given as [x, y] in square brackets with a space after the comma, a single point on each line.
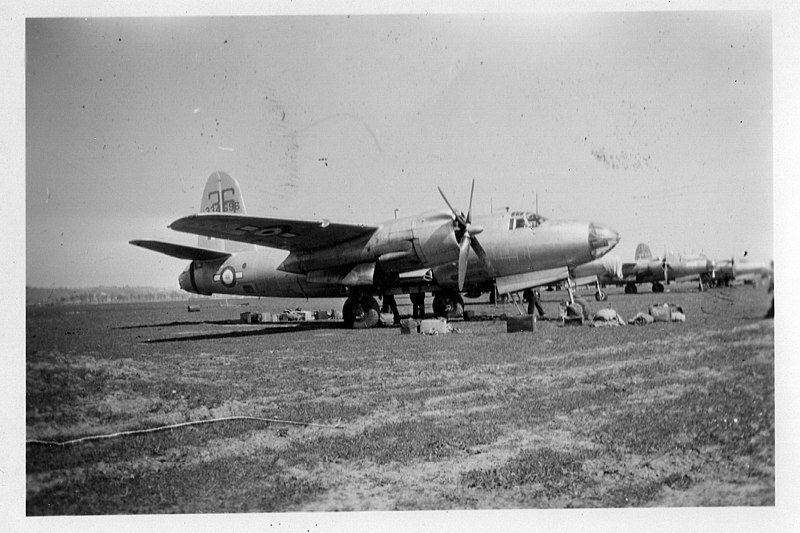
[222, 194]
[643, 252]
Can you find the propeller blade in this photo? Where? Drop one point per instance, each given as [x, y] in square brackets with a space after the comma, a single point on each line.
[469, 211]
[459, 216]
[466, 235]
[481, 253]
[463, 259]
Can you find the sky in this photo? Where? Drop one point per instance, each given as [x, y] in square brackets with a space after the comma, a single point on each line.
[658, 124]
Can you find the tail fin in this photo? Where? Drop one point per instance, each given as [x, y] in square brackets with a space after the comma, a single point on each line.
[643, 252]
[222, 195]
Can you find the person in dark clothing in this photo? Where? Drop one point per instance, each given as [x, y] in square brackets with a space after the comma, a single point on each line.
[418, 304]
[771, 290]
[390, 306]
[533, 299]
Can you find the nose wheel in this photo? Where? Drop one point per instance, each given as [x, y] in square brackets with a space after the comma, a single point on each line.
[600, 296]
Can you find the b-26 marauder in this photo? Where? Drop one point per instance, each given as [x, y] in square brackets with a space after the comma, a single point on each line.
[610, 270]
[429, 252]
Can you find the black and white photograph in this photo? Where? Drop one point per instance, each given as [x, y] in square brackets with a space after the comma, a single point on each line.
[431, 267]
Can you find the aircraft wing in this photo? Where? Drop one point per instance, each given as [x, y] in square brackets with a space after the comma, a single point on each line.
[285, 234]
[180, 251]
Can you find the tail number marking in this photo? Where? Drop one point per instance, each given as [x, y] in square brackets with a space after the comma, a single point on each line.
[229, 205]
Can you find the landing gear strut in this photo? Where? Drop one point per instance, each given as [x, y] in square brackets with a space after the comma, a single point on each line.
[360, 311]
[600, 296]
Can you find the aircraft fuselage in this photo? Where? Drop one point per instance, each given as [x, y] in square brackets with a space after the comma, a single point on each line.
[514, 243]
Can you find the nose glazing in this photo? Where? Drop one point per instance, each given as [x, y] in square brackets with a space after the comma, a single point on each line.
[601, 239]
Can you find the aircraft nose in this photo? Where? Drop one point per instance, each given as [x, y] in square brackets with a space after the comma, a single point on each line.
[601, 239]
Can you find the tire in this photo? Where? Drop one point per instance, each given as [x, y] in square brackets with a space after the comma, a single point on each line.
[361, 312]
[458, 310]
[600, 296]
[448, 306]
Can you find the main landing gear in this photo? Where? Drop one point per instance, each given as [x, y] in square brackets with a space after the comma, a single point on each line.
[361, 311]
[449, 305]
[630, 288]
[658, 287]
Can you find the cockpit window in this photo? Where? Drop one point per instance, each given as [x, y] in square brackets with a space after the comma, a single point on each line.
[534, 219]
[522, 219]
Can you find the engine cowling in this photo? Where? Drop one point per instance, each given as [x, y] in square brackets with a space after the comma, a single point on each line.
[197, 278]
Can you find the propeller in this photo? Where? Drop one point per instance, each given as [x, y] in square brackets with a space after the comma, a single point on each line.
[466, 237]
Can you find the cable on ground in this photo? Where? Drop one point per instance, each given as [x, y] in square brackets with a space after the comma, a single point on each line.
[181, 424]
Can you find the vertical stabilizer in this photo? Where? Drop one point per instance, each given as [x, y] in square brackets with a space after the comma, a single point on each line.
[643, 252]
[222, 195]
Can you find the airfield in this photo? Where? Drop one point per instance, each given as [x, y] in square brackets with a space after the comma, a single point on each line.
[663, 415]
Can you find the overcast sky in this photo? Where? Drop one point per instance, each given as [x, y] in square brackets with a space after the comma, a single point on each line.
[659, 124]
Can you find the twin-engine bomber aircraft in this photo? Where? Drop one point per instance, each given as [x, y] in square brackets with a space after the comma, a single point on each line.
[611, 270]
[429, 252]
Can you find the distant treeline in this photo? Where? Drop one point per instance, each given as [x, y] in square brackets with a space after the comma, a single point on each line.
[100, 295]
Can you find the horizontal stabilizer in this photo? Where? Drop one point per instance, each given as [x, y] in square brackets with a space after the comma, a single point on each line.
[180, 251]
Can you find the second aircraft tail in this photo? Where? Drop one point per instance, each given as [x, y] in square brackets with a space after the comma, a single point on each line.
[643, 252]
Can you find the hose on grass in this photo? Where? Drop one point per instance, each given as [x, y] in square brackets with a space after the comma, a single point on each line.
[181, 424]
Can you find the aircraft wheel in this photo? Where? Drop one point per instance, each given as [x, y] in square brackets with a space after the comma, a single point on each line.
[458, 309]
[630, 288]
[600, 296]
[449, 306]
[361, 312]
[658, 287]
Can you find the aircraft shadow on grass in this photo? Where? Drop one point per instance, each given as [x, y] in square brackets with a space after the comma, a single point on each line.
[291, 327]
[228, 322]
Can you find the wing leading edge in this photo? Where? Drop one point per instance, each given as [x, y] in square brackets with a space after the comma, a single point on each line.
[281, 233]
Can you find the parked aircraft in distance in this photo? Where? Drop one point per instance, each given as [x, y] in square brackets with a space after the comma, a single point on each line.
[742, 269]
[657, 271]
[429, 252]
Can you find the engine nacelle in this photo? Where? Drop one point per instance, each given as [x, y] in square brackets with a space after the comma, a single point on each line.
[198, 277]
[435, 240]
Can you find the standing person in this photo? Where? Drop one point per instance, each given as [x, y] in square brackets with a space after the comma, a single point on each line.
[534, 299]
[771, 290]
[390, 306]
[418, 304]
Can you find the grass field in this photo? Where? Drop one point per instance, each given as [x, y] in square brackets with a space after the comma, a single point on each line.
[670, 414]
